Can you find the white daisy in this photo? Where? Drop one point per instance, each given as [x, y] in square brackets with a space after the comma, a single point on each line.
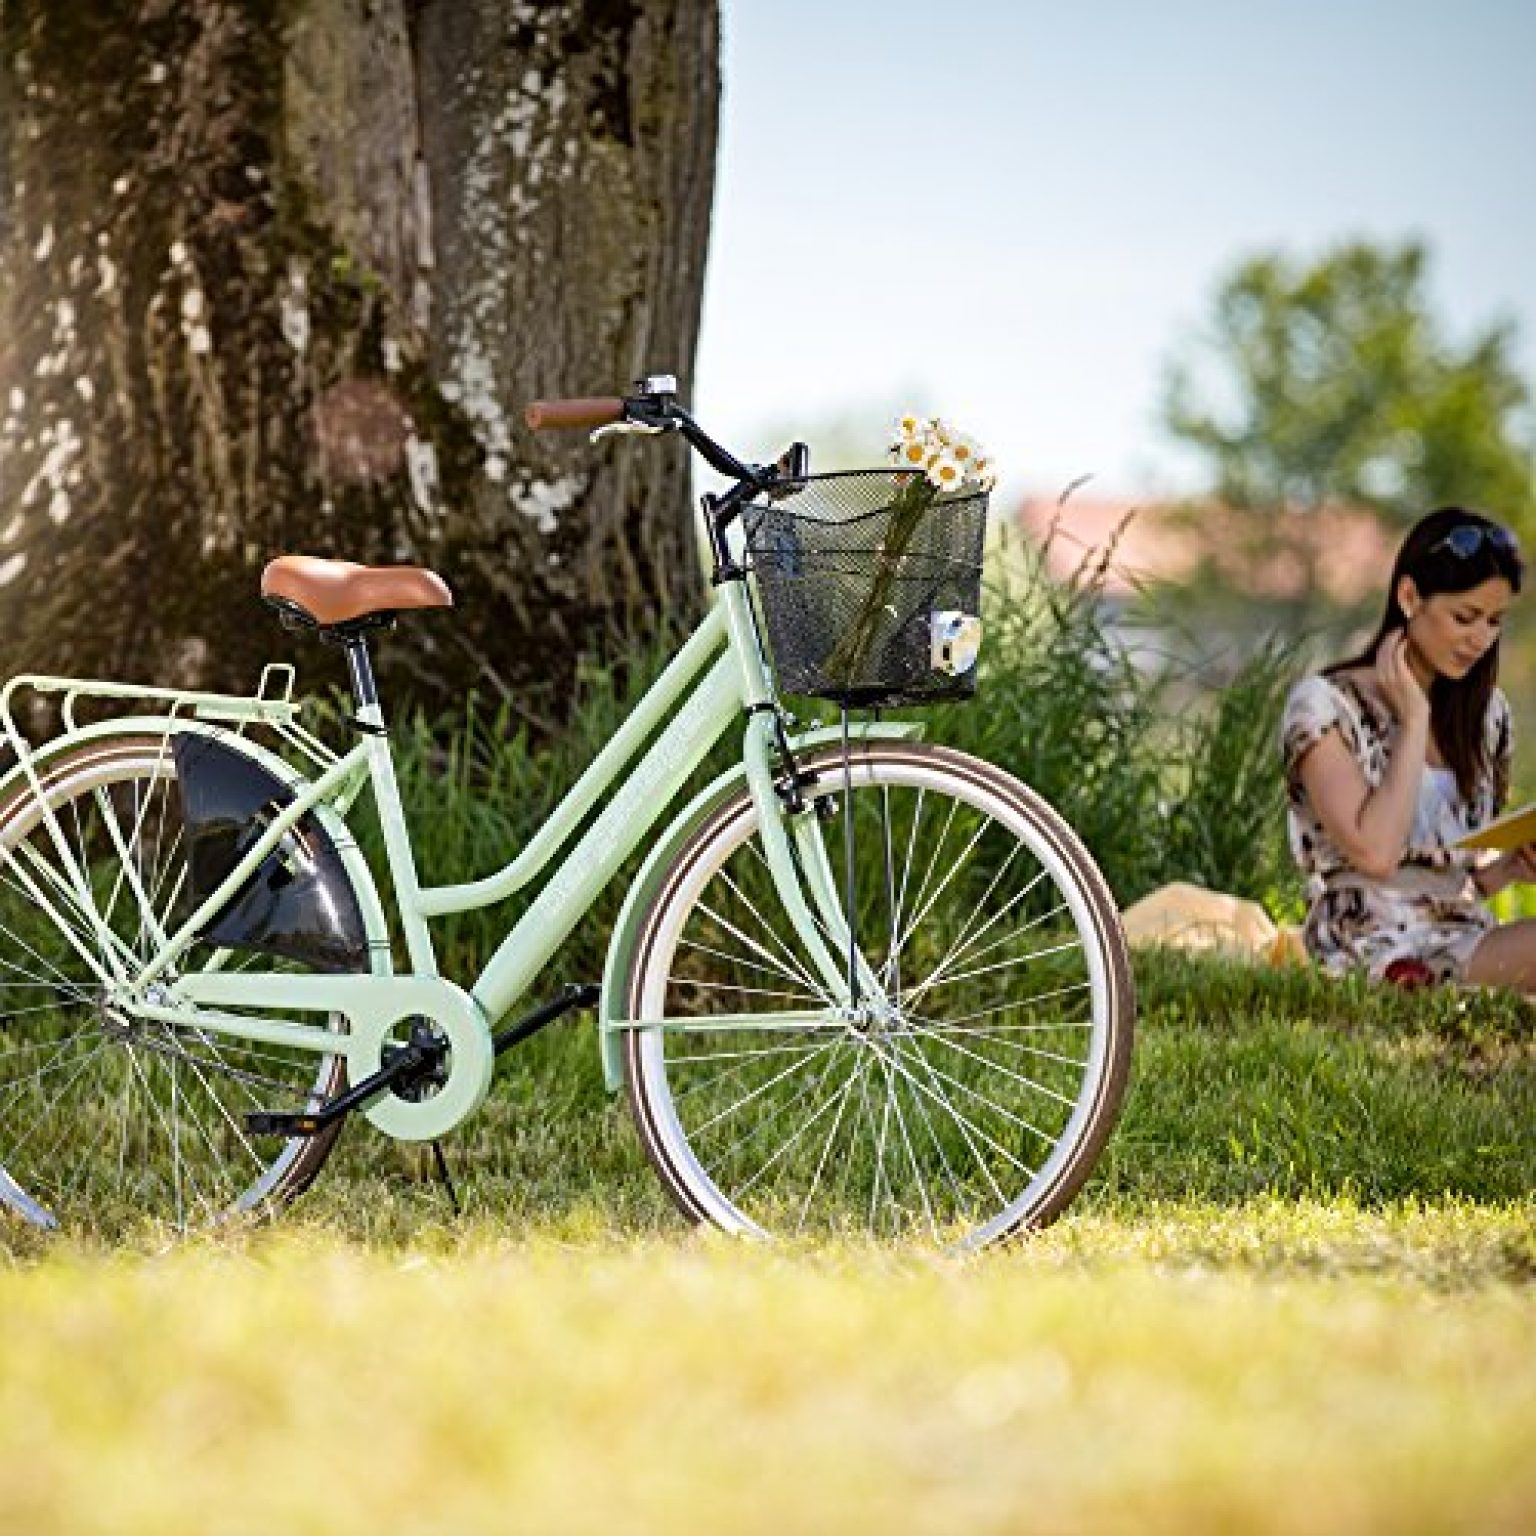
[946, 472]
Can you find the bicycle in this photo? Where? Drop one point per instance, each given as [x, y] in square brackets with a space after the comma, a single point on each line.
[859, 983]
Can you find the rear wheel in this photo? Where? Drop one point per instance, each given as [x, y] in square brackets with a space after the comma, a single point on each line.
[973, 1101]
[107, 1119]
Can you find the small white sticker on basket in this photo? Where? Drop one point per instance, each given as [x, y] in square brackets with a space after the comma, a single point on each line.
[956, 640]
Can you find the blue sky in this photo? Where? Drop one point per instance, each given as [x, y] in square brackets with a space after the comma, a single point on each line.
[1014, 213]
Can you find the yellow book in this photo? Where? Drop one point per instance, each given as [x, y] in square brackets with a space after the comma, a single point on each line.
[1511, 830]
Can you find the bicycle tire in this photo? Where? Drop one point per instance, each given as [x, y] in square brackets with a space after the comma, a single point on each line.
[654, 987]
[112, 1090]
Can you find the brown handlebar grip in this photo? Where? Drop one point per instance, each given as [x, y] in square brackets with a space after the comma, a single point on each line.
[573, 415]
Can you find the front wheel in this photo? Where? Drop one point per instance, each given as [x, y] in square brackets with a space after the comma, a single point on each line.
[969, 1097]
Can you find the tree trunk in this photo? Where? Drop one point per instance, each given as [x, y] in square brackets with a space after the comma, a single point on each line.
[279, 275]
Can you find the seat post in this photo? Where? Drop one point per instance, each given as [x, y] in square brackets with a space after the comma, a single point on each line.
[360, 673]
[369, 720]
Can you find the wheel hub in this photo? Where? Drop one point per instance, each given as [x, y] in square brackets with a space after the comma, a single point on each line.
[117, 1019]
[874, 1020]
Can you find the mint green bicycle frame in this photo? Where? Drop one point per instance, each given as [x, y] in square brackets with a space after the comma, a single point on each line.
[734, 681]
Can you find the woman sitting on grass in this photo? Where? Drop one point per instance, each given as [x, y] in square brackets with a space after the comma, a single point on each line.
[1394, 754]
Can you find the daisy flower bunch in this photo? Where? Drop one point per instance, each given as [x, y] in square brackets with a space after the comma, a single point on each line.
[951, 460]
[948, 461]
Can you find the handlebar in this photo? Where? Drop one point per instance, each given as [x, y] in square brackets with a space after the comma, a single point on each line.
[574, 415]
[652, 408]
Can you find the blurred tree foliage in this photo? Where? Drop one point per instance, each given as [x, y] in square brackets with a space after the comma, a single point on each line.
[1334, 384]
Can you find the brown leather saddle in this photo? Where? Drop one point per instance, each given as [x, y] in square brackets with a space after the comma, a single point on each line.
[338, 595]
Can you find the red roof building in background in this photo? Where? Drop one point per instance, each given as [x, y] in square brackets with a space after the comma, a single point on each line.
[1348, 548]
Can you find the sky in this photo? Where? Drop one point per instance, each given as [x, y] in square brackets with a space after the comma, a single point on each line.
[1016, 214]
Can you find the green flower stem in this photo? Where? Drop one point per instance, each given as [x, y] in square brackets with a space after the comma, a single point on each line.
[851, 652]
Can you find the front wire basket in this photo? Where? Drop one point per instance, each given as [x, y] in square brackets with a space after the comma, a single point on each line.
[870, 586]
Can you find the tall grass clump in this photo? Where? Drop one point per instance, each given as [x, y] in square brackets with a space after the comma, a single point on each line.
[1062, 706]
[1162, 779]
[1226, 805]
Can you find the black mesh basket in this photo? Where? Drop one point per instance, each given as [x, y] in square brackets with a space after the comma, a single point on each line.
[870, 589]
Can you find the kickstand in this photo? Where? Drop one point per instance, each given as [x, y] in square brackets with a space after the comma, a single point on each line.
[446, 1177]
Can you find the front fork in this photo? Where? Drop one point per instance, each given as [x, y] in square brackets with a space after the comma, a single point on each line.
[803, 875]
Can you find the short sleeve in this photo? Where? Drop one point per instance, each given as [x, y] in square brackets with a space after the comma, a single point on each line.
[1312, 709]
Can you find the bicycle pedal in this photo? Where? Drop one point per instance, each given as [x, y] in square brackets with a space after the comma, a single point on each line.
[276, 1123]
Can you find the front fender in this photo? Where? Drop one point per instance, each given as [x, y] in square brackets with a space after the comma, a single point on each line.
[626, 931]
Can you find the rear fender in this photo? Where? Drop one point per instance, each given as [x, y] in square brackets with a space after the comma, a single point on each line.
[330, 824]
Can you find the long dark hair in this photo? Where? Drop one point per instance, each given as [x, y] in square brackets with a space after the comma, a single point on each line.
[1457, 706]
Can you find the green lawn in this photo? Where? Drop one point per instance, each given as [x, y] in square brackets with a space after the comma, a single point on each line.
[1299, 1297]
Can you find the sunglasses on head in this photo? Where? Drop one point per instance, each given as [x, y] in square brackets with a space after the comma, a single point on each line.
[1464, 542]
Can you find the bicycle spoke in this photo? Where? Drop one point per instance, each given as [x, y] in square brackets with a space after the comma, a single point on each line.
[1003, 965]
[810, 1194]
[1013, 1006]
[953, 870]
[959, 948]
[962, 1124]
[809, 1091]
[1011, 937]
[961, 1202]
[1013, 1045]
[767, 1050]
[996, 1109]
[786, 953]
[750, 965]
[794, 1140]
[731, 928]
[1028, 1082]
[757, 1092]
[917, 1172]
[909, 1119]
[106, 1116]
[741, 991]
[714, 1084]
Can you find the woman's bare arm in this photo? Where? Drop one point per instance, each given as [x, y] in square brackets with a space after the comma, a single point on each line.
[1371, 826]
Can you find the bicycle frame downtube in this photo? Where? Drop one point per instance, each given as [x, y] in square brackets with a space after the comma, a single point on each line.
[612, 837]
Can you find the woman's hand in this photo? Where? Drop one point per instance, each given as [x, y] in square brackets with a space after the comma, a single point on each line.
[1516, 866]
[1395, 678]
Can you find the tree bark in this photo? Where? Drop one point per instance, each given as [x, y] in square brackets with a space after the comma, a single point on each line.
[279, 275]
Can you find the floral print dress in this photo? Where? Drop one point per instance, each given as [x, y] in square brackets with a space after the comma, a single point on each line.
[1426, 914]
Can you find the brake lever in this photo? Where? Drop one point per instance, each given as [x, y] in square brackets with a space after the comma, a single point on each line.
[641, 428]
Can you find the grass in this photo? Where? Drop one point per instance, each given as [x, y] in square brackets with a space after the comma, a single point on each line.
[549, 1384]
[1297, 1297]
